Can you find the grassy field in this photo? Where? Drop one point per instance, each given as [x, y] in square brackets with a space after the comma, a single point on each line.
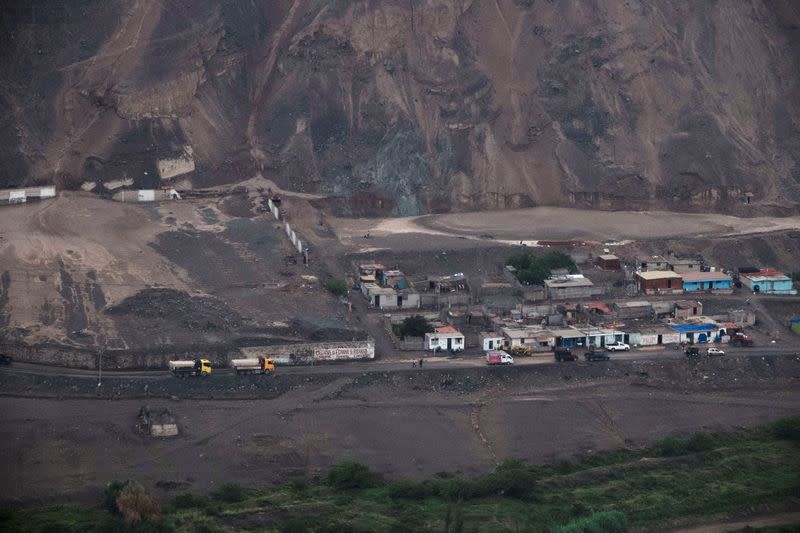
[704, 475]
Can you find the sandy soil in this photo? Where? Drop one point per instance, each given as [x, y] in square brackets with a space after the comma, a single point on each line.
[564, 223]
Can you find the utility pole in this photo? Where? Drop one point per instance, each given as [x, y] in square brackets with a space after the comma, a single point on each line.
[100, 367]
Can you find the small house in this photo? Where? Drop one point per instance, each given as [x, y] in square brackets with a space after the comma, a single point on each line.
[684, 265]
[768, 281]
[696, 333]
[655, 262]
[687, 308]
[381, 297]
[659, 282]
[570, 287]
[706, 281]
[444, 338]
[535, 338]
[608, 262]
[491, 341]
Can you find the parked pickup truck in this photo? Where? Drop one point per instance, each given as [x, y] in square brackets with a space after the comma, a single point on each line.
[618, 347]
[498, 358]
[596, 355]
[564, 354]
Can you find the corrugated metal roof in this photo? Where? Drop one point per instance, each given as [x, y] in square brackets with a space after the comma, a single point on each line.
[692, 328]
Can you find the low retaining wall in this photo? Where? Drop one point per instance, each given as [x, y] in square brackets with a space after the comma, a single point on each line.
[318, 352]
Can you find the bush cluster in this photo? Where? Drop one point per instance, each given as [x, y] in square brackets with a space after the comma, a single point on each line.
[414, 326]
[351, 475]
[336, 286]
[533, 270]
[605, 522]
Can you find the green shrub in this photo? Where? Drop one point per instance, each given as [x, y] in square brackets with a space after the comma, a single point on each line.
[605, 522]
[533, 270]
[111, 494]
[188, 501]
[701, 442]
[670, 447]
[229, 493]
[299, 485]
[351, 475]
[409, 490]
[337, 286]
[415, 326]
[786, 428]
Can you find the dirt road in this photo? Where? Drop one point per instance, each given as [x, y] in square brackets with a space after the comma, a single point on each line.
[404, 423]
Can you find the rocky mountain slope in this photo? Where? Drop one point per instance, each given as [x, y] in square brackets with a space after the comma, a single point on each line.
[410, 107]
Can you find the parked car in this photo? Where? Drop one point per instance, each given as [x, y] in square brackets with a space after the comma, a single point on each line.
[692, 351]
[714, 351]
[564, 354]
[618, 347]
[5, 359]
[596, 355]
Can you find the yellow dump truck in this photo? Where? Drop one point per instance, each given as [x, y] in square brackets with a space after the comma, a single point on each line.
[256, 365]
[198, 367]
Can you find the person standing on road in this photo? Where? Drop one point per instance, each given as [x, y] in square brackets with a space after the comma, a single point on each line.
[414, 363]
[420, 363]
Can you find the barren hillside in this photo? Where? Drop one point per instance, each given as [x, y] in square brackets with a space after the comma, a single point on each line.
[410, 107]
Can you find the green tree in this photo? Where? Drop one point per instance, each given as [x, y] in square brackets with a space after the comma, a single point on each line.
[415, 326]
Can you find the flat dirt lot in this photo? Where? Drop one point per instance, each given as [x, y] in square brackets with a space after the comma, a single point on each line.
[403, 424]
[540, 223]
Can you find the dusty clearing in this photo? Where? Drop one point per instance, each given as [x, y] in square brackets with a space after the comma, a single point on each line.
[564, 223]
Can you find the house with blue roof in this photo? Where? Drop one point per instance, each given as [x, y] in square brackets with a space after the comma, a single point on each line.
[697, 333]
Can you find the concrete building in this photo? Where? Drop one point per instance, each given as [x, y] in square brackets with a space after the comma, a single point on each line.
[388, 298]
[570, 287]
[491, 341]
[608, 262]
[684, 265]
[706, 281]
[638, 309]
[696, 333]
[651, 335]
[687, 309]
[655, 262]
[585, 336]
[445, 338]
[535, 338]
[659, 282]
[768, 281]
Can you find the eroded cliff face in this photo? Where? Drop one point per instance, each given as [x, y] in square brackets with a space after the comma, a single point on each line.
[410, 107]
